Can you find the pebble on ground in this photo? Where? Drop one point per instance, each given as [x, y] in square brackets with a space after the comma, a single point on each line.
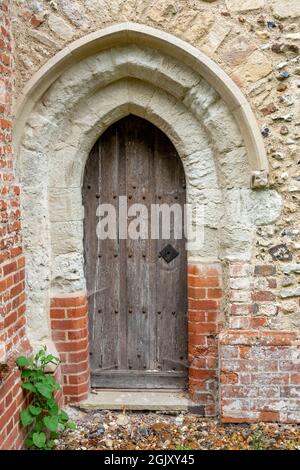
[112, 430]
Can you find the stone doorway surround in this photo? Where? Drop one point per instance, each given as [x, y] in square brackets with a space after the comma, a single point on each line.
[90, 84]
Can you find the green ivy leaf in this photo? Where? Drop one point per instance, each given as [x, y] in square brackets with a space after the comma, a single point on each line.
[29, 386]
[39, 426]
[39, 439]
[29, 442]
[44, 411]
[51, 402]
[23, 361]
[48, 382]
[44, 390]
[51, 422]
[50, 444]
[26, 417]
[53, 409]
[26, 373]
[37, 375]
[35, 410]
[51, 358]
[71, 425]
[63, 417]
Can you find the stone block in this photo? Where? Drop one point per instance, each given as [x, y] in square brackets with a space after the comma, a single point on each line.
[216, 36]
[222, 127]
[60, 27]
[252, 207]
[67, 273]
[286, 8]
[244, 5]
[200, 170]
[234, 168]
[74, 12]
[65, 204]
[291, 292]
[236, 242]
[237, 50]
[291, 268]
[255, 68]
[66, 237]
[200, 97]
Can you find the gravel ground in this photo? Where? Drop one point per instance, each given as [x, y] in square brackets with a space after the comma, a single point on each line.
[104, 430]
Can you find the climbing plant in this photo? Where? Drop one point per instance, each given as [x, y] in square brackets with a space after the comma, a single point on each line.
[43, 417]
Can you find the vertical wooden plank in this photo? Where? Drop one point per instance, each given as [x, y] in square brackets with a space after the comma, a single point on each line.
[108, 279]
[139, 152]
[123, 289]
[101, 264]
[171, 299]
[90, 241]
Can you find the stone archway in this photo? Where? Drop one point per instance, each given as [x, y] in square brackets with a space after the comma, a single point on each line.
[88, 86]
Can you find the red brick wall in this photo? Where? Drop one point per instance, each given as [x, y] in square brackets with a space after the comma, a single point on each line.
[12, 400]
[204, 296]
[12, 271]
[259, 367]
[252, 296]
[69, 324]
[259, 376]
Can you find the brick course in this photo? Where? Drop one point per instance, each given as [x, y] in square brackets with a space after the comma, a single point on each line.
[12, 401]
[204, 297]
[13, 340]
[12, 271]
[69, 325]
[259, 379]
[252, 295]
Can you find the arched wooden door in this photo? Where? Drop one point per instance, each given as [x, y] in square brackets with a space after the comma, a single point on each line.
[137, 296]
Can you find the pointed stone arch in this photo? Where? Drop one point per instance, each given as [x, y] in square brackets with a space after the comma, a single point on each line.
[145, 36]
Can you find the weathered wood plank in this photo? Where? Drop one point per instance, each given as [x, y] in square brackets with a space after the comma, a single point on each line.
[138, 379]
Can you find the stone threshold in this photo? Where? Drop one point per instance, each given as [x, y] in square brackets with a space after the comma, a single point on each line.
[137, 400]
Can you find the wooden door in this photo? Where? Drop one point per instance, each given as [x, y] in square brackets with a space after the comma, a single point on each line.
[137, 299]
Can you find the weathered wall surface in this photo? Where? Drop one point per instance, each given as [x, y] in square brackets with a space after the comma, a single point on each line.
[12, 272]
[257, 43]
[259, 378]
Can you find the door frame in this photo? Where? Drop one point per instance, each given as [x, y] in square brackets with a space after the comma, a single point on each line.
[132, 150]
